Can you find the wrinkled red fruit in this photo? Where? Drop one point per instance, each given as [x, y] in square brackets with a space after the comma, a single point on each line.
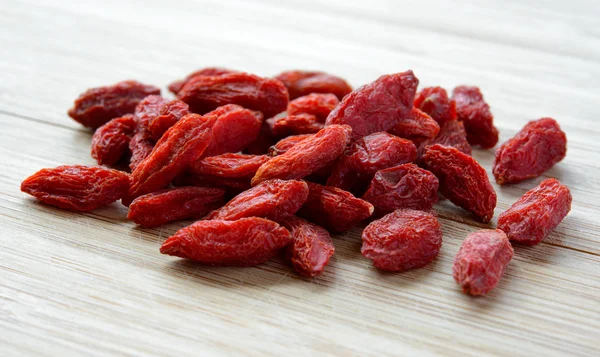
[481, 261]
[317, 104]
[435, 102]
[169, 114]
[462, 180]
[176, 86]
[378, 106]
[335, 209]
[453, 134]
[285, 144]
[403, 186]
[273, 199]
[472, 110]
[417, 126]
[306, 157]
[402, 240]
[230, 165]
[141, 146]
[301, 83]
[181, 145]
[311, 246]
[97, 106]
[245, 242]
[173, 204]
[147, 110]
[294, 125]
[77, 187]
[110, 141]
[530, 153]
[204, 93]
[535, 215]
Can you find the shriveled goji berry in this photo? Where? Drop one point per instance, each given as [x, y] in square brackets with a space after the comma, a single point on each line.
[230, 165]
[417, 126]
[181, 145]
[141, 146]
[295, 125]
[169, 114]
[273, 199]
[317, 104]
[435, 102]
[97, 106]
[206, 93]
[311, 246]
[245, 242]
[475, 113]
[285, 144]
[173, 204]
[77, 187]
[535, 215]
[110, 141]
[530, 153]
[481, 261]
[306, 157]
[232, 186]
[301, 83]
[333, 208]
[453, 134]
[462, 180]
[147, 110]
[176, 86]
[378, 106]
[402, 240]
[403, 186]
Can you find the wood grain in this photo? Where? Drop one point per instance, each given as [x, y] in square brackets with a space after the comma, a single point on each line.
[93, 284]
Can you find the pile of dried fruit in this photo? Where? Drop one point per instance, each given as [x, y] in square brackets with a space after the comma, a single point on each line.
[272, 165]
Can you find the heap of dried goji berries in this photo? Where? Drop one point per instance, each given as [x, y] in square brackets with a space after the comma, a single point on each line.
[268, 165]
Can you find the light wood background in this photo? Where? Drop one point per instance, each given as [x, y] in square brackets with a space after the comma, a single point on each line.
[94, 284]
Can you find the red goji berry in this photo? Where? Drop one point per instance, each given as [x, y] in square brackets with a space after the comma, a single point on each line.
[169, 114]
[472, 110]
[435, 102]
[141, 146]
[230, 165]
[417, 127]
[301, 83]
[176, 86]
[285, 144]
[110, 141]
[453, 134]
[317, 104]
[294, 125]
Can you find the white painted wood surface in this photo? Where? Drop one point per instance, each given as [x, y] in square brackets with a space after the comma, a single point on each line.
[93, 284]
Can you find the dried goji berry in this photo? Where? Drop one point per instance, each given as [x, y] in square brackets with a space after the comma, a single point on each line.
[333, 208]
[435, 102]
[147, 110]
[176, 86]
[530, 153]
[378, 106]
[273, 199]
[285, 144]
[97, 106]
[453, 134]
[181, 145]
[206, 93]
[402, 240]
[294, 125]
[535, 215]
[311, 246]
[475, 113]
[168, 115]
[462, 180]
[230, 165]
[141, 146]
[306, 157]
[417, 126]
[173, 204]
[77, 187]
[403, 186]
[110, 141]
[232, 186]
[481, 261]
[317, 104]
[301, 83]
[245, 242]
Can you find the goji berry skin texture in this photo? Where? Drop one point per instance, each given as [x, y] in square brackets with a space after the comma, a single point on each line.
[283, 145]
[535, 215]
[147, 110]
[402, 240]
[169, 114]
[230, 165]
[181, 145]
[111, 141]
[333, 208]
[273, 199]
[173, 204]
[435, 102]
[141, 146]
[206, 93]
[378, 106]
[306, 157]
[453, 134]
[317, 104]
[417, 127]
[311, 246]
[295, 125]
[77, 188]
[481, 261]
[530, 153]
[97, 106]
[403, 186]
[301, 83]
[462, 180]
[244, 242]
[472, 110]
[176, 86]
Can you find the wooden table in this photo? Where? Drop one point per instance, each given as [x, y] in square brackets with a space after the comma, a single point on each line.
[94, 284]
